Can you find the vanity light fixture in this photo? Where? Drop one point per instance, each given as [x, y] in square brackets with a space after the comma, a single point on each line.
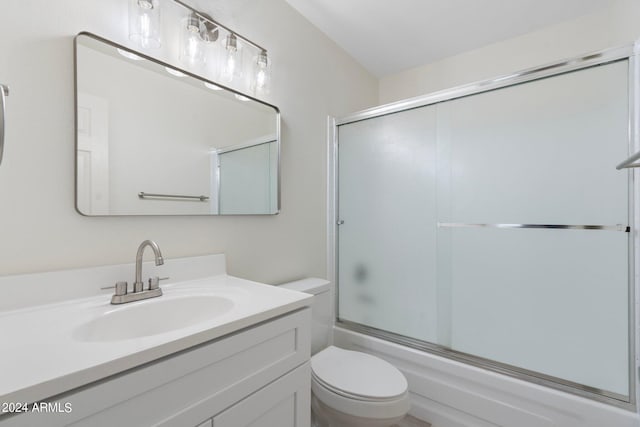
[144, 23]
[199, 29]
[129, 55]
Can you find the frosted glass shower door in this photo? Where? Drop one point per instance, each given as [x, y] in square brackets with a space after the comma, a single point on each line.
[460, 228]
[387, 247]
[551, 301]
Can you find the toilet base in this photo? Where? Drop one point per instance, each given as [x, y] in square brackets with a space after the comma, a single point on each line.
[324, 416]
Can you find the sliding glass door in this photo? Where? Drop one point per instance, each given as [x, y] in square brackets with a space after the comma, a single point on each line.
[387, 248]
[496, 225]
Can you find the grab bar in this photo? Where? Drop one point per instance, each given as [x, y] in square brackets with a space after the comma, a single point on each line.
[4, 92]
[144, 195]
[629, 163]
[617, 227]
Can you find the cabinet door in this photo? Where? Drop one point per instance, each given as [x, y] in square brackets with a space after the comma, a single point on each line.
[285, 402]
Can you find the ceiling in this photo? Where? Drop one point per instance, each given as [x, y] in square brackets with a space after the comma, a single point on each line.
[390, 36]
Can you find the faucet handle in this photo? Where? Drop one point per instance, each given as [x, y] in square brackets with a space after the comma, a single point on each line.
[121, 288]
[154, 282]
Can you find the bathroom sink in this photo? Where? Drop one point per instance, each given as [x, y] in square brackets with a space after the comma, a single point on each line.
[152, 317]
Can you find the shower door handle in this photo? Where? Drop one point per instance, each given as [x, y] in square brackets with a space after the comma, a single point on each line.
[4, 91]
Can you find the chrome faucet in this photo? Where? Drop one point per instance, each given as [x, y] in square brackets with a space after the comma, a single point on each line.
[138, 285]
[122, 295]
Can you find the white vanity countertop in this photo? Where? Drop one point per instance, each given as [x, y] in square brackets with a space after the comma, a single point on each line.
[43, 353]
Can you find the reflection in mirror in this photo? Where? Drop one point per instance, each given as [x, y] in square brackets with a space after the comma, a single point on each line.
[155, 140]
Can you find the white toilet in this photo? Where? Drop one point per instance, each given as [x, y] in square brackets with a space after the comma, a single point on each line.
[348, 388]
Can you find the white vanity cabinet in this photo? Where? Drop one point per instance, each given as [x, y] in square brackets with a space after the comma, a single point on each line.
[279, 404]
[258, 376]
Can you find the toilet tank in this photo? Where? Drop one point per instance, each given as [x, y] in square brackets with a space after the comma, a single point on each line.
[321, 309]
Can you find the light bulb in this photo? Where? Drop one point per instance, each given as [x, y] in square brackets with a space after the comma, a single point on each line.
[261, 77]
[191, 49]
[241, 98]
[232, 67]
[145, 27]
[144, 23]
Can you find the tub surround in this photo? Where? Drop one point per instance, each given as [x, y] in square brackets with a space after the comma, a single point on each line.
[50, 348]
[452, 394]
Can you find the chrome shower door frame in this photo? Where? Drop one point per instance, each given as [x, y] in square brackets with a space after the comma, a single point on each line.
[630, 53]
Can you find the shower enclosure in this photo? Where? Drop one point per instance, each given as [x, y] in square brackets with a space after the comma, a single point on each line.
[489, 224]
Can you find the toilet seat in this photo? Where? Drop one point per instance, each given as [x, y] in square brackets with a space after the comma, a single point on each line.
[342, 393]
[358, 375]
[358, 384]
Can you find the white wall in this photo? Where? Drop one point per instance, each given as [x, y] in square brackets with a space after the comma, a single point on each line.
[616, 25]
[39, 228]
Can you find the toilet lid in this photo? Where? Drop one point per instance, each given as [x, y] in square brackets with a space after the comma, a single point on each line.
[358, 374]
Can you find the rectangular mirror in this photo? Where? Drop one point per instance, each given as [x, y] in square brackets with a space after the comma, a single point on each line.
[156, 140]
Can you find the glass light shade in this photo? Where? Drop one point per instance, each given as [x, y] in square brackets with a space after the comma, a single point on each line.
[144, 23]
[213, 50]
[214, 55]
[232, 59]
[261, 74]
[191, 45]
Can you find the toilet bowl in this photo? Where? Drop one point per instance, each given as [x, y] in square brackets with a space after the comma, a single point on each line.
[348, 388]
[353, 389]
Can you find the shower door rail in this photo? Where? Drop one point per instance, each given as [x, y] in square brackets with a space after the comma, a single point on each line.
[617, 227]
